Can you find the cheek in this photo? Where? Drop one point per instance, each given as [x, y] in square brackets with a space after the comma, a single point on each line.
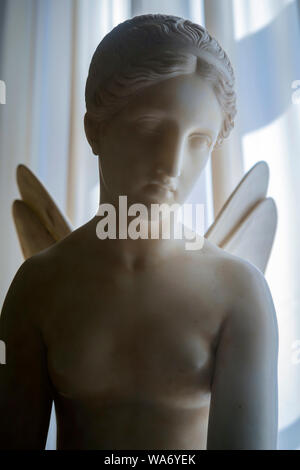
[124, 162]
[191, 170]
[196, 161]
[128, 149]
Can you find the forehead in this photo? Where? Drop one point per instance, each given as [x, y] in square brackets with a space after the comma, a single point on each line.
[187, 98]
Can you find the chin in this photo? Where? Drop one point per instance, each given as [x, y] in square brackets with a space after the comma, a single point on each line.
[148, 200]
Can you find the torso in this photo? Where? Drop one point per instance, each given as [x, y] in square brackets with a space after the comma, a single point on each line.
[131, 355]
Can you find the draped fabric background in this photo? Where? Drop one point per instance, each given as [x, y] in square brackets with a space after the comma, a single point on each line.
[45, 50]
[263, 39]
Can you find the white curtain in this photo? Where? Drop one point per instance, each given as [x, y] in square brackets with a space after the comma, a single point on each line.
[262, 38]
[268, 38]
[45, 50]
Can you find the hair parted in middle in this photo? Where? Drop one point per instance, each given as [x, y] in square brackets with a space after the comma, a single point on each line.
[148, 49]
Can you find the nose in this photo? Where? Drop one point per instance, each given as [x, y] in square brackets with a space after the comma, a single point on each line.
[169, 163]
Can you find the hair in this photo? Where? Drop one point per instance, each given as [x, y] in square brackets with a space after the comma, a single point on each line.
[145, 50]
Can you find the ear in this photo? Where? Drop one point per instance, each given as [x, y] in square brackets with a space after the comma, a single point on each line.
[92, 132]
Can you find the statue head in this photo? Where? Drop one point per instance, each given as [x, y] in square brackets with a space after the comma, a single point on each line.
[140, 70]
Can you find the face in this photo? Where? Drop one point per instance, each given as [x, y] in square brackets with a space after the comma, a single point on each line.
[154, 150]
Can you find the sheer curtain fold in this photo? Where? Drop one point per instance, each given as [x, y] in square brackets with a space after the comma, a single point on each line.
[17, 57]
[262, 38]
[45, 50]
[227, 161]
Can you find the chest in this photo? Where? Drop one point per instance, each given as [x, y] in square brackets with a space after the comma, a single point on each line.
[149, 339]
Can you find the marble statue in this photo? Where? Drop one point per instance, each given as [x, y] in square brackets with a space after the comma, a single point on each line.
[140, 343]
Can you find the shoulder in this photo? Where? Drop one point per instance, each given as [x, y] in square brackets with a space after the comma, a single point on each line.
[55, 259]
[234, 271]
[22, 283]
[32, 288]
[246, 290]
[35, 277]
[250, 312]
[249, 286]
[18, 306]
[238, 272]
[249, 324]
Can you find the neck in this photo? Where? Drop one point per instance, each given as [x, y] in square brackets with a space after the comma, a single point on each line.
[137, 241]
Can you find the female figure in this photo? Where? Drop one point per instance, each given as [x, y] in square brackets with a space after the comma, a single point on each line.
[141, 343]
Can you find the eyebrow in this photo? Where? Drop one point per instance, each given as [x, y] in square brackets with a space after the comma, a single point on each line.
[159, 113]
[153, 112]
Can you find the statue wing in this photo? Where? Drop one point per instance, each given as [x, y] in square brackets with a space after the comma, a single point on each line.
[39, 222]
[33, 235]
[246, 224]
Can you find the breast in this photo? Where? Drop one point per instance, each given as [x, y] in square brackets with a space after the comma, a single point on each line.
[143, 357]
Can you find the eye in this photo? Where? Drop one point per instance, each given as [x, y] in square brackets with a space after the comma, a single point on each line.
[147, 126]
[200, 141]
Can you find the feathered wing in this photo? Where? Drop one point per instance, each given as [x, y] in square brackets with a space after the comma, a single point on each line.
[39, 222]
[246, 224]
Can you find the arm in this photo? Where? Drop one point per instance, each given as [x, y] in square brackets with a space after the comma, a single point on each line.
[243, 412]
[25, 390]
